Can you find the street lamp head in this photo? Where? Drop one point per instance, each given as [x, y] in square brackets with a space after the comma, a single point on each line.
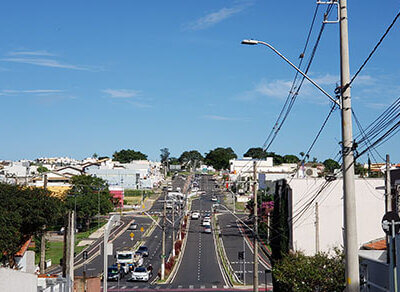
[249, 42]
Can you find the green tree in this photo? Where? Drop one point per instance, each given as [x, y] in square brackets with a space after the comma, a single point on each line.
[260, 153]
[291, 159]
[219, 157]
[256, 153]
[331, 165]
[174, 161]
[42, 169]
[297, 272]
[95, 155]
[191, 158]
[23, 213]
[89, 193]
[126, 156]
[164, 154]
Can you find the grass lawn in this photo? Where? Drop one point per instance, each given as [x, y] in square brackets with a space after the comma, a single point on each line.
[55, 248]
[133, 200]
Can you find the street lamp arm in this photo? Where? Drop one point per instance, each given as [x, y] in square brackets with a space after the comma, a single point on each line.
[255, 42]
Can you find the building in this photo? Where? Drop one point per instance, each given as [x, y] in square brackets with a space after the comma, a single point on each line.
[315, 212]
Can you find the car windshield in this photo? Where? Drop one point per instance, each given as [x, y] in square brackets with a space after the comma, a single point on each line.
[112, 270]
[124, 256]
[140, 270]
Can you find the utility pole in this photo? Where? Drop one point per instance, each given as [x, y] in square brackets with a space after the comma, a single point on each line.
[350, 219]
[316, 228]
[43, 238]
[255, 235]
[163, 238]
[388, 187]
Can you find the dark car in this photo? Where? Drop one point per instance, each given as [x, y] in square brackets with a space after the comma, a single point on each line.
[143, 250]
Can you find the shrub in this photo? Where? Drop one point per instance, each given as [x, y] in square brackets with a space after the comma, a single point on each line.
[297, 272]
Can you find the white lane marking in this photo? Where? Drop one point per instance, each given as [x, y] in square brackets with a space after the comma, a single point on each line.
[214, 286]
[202, 286]
[180, 287]
[191, 286]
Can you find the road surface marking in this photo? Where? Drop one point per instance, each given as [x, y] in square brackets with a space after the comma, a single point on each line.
[191, 286]
[202, 286]
[214, 286]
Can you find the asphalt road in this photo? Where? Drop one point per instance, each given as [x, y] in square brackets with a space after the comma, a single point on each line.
[199, 267]
[236, 239]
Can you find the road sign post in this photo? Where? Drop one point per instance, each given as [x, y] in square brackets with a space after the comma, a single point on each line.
[391, 226]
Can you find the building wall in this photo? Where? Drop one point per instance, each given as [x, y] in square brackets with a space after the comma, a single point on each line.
[17, 281]
[370, 210]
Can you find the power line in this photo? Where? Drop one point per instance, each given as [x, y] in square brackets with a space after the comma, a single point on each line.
[372, 52]
[291, 98]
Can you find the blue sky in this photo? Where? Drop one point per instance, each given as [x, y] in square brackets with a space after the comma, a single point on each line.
[78, 77]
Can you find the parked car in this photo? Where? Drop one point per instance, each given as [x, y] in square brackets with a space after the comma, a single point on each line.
[140, 274]
[214, 199]
[144, 250]
[133, 226]
[195, 215]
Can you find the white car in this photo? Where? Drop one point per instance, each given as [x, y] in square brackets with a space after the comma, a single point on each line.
[140, 274]
[206, 223]
[195, 215]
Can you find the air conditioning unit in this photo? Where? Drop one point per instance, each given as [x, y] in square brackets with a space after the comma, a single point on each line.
[311, 172]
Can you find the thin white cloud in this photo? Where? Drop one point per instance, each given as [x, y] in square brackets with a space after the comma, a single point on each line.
[218, 118]
[217, 16]
[30, 53]
[38, 91]
[47, 63]
[122, 93]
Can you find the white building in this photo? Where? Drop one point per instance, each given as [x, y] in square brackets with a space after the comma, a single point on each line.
[370, 210]
[244, 166]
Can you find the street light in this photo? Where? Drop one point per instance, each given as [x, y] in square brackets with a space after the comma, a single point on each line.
[256, 42]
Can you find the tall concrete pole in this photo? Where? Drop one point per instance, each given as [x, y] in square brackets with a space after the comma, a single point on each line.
[388, 188]
[163, 238]
[350, 219]
[255, 235]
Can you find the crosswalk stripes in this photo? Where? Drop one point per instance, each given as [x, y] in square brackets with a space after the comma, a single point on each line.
[202, 286]
[214, 286]
[191, 286]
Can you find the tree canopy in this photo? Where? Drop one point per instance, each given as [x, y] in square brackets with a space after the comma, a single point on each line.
[256, 153]
[126, 156]
[219, 157]
[331, 165]
[90, 193]
[164, 154]
[23, 213]
[42, 169]
[191, 158]
[291, 158]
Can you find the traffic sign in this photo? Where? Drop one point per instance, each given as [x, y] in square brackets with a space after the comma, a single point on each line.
[387, 220]
[131, 235]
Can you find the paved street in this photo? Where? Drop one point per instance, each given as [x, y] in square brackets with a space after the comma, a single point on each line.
[199, 264]
[234, 242]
